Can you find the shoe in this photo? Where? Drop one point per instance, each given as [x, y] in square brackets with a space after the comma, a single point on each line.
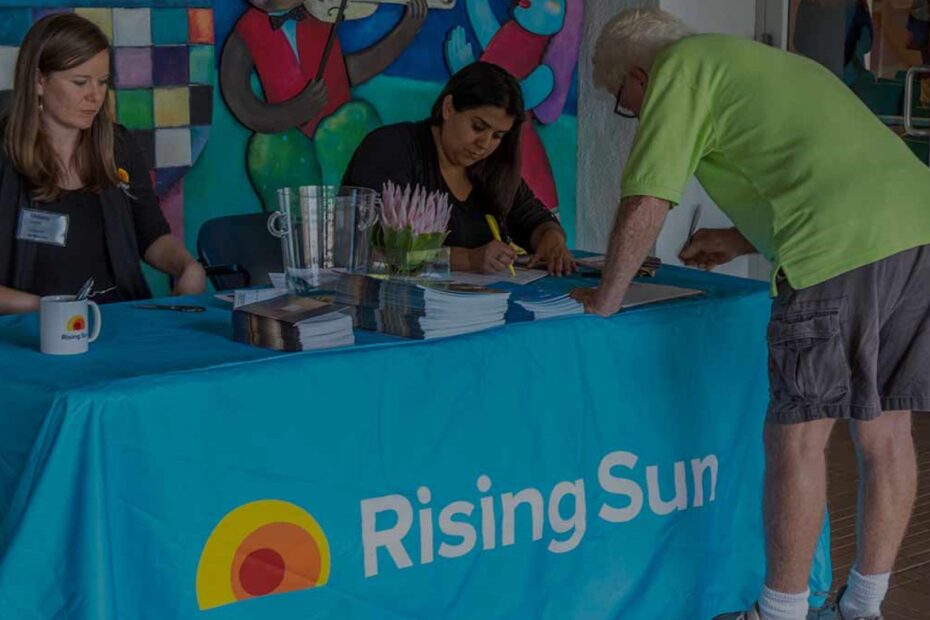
[838, 615]
[752, 614]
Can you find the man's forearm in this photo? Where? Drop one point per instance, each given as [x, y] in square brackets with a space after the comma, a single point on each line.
[636, 228]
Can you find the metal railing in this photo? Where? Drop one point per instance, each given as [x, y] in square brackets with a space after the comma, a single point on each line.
[911, 125]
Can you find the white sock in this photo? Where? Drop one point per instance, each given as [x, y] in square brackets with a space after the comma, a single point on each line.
[864, 595]
[780, 606]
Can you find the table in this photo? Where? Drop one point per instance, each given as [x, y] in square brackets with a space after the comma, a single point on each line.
[571, 468]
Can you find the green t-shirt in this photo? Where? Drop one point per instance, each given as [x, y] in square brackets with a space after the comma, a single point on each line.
[806, 172]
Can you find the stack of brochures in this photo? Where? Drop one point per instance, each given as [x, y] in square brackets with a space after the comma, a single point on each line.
[291, 323]
[420, 309]
[532, 303]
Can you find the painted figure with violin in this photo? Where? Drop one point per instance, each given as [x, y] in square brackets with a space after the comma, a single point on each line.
[293, 47]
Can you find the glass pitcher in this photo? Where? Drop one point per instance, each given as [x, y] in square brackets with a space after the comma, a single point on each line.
[322, 227]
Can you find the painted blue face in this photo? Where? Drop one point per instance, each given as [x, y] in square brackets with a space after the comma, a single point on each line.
[540, 16]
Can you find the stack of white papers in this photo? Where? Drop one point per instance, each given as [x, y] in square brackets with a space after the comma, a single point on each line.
[420, 309]
[532, 303]
[641, 293]
[246, 296]
[523, 276]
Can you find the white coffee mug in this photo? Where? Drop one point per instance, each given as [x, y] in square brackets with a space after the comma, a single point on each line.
[63, 328]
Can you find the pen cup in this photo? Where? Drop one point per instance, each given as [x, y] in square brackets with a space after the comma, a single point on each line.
[63, 324]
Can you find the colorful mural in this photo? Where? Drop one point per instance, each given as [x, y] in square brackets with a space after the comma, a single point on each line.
[306, 130]
[163, 73]
[307, 124]
[387, 63]
[539, 46]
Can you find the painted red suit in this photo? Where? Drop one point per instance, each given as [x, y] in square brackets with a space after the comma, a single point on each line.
[520, 51]
[282, 74]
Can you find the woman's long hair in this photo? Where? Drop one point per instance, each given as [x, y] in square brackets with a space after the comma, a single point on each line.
[57, 43]
[497, 177]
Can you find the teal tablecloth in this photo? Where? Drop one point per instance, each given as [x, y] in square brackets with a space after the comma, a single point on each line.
[575, 468]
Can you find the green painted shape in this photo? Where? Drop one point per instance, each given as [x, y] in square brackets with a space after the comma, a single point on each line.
[218, 184]
[338, 135]
[201, 64]
[169, 26]
[135, 108]
[279, 160]
[384, 94]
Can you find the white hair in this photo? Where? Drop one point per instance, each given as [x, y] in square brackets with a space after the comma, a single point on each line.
[633, 39]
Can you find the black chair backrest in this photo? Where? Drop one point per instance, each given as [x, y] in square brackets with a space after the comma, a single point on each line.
[243, 241]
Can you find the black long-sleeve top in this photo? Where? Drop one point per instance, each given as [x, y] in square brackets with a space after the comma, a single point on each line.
[406, 153]
[108, 235]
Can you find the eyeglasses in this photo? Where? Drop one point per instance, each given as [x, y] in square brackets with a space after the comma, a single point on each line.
[619, 109]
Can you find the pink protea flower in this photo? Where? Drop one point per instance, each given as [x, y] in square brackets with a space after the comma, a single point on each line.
[414, 209]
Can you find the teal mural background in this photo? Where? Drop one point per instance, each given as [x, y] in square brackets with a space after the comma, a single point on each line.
[218, 183]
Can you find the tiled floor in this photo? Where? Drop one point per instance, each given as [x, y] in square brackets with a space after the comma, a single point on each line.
[909, 597]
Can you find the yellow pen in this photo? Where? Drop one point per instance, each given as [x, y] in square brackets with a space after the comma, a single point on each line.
[496, 233]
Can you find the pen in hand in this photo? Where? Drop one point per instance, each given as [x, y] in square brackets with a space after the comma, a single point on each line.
[695, 218]
[496, 233]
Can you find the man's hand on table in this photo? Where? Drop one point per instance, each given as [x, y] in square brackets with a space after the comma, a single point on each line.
[639, 220]
[594, 301]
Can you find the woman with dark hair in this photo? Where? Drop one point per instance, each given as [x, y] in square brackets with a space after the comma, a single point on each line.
[76, 200]
[470, 149]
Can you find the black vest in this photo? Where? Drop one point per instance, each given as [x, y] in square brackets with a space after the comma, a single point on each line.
[18, 258]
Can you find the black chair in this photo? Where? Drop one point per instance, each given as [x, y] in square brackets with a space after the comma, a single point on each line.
[237, 251]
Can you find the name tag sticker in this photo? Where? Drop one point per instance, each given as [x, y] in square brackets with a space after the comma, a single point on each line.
[43, 227]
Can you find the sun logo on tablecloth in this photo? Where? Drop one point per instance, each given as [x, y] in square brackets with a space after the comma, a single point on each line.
[76, 324]
[262, 548]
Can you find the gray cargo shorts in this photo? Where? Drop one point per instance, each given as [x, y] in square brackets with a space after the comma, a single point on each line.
[853, 346]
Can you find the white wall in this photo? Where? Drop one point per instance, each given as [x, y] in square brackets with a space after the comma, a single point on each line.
[772, 19]
[736, 17]
[605, 138]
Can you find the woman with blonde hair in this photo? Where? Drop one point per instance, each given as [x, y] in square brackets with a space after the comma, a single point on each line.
[76, 200]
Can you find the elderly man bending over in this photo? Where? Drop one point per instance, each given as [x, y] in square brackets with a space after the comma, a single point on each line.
[841, 207]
